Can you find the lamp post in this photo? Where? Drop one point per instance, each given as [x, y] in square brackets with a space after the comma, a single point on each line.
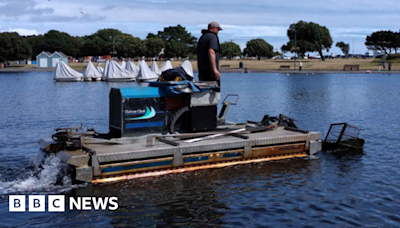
[113, 43]
[295, 48]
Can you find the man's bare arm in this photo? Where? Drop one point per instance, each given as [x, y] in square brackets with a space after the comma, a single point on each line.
[211, 54]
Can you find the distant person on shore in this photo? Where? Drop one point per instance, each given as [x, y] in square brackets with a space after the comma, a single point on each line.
[208, 51]
[300, 65]
[384, 65]
[379, 67]
[390, 66]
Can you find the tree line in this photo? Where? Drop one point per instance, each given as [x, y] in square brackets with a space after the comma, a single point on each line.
[177, 42]
[384, 41]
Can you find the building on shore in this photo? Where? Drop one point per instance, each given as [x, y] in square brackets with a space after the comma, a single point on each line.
[47, 60]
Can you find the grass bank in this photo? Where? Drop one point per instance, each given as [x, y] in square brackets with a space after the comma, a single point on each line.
[269, 64]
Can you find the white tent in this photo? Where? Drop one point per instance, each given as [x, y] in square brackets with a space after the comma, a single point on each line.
[104, 77]
[123, 64]
[92, 73]
[132, 68]
[145, 74]
[64, 73]
[115, 72]
[154, 68]
[166, 66]
[187, 66]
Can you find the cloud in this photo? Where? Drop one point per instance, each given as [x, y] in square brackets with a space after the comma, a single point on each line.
[22, 31]
[242, 20]
[22, 8]
[81, 19]
[108, 7]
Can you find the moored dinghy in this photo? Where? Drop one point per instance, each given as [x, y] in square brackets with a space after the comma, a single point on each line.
[64, 73]
[154, 68]
[104, 77]
[115, 73]
[132, 68]
[92, 73]
[166, 66]
[100, 70]
[145, 74]
[187, 66]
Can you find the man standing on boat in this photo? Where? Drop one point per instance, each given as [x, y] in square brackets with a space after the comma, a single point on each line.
[208, 51]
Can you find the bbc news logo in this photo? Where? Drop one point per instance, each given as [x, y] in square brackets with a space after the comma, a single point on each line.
[57, 203]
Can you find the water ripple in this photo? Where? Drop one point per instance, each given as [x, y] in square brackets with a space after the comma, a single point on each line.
[324, 190]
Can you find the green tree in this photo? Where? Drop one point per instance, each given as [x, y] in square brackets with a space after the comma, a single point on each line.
[54, 40]
[33, 45]
[309, 36]
[153, 46]
[109, 38]
[129, 46]
[230, 49]
[94, 46]
[106, 41]
[13, 47]
[344, 47]
[177, 41]
[385, 41]
[302, 46]
[258, 47]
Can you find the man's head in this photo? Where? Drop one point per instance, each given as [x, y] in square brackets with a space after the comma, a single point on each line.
[214, 27]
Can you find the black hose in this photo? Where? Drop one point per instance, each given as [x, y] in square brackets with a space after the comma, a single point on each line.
[176, 117]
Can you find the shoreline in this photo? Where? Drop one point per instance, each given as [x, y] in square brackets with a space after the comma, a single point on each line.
[232, 70]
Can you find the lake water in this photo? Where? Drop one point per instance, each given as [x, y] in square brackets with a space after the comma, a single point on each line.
[319, 191]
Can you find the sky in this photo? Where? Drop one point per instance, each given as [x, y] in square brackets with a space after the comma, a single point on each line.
[349, 21]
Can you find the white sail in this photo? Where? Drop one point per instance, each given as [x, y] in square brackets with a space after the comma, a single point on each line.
[145, 74]
[154, 68]
[64, 73]
[187, 66]
[123, 64]
[104, 77]
[100, 69]
[166, 66]
[132, 68]
[115, 72]
[91, 73]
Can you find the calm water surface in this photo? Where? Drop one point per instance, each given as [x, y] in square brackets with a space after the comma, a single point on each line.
[320, 191]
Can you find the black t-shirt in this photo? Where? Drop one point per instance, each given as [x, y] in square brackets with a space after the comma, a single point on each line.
[207, 40]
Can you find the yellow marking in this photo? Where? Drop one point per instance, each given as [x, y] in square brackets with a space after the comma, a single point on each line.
[199, 167]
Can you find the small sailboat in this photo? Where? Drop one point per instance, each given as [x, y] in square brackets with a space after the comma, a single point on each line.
[91, 73]
[154, 68]
[145, 74]
[132, 68]
[115, 73]
[64, 73]
[166, 66]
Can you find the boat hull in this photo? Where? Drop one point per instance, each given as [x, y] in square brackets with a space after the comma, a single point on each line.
[120, 79]
[68, 79]
[190, 168]
[136, 157]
